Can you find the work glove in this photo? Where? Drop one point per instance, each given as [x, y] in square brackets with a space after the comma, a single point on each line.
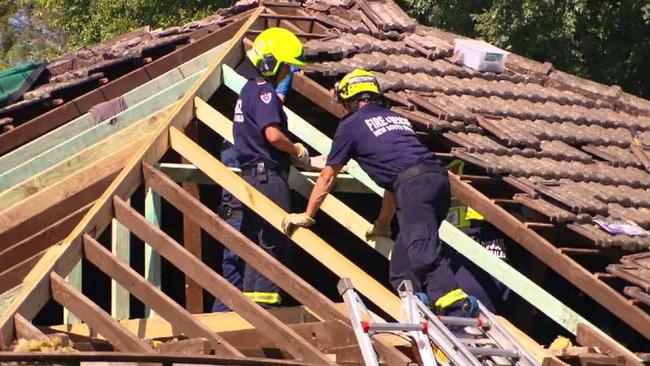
[284, 86]
[292, 221]
[379, 228]
[302, 160]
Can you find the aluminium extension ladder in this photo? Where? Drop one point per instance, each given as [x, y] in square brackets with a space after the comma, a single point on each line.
[474, 341]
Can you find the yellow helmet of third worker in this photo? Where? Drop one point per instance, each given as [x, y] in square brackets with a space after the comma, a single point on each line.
[356, 82]
[272, 48]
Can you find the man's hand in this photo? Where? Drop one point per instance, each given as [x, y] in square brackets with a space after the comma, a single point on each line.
[292, 221]
[301, 158]
[379, 228]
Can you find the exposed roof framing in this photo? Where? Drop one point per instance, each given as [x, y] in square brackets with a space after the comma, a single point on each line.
[80, 244]
[455, 110]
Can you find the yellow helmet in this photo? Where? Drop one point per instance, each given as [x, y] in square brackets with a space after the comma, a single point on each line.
[273, 47]
[358, 81]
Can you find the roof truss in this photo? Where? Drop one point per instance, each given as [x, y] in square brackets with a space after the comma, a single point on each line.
[45, 280]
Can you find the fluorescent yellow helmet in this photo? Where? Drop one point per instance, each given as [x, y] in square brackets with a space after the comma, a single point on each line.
[356, 82]
[272, 48]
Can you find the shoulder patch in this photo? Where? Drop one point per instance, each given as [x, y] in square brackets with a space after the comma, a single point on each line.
[266, 96]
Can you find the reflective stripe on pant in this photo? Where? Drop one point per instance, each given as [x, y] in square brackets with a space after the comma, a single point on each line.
[422, 203]
[264, 234]
[266, 298]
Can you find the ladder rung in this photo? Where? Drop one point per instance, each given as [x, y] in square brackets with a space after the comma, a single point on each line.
[479, 341]
[484, 351]
[392, 327]
[460, 321]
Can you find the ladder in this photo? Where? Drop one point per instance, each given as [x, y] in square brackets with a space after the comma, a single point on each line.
[458, 341]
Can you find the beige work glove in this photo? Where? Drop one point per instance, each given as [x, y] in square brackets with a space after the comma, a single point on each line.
[302, 160]
[294, 220]
[379, 228]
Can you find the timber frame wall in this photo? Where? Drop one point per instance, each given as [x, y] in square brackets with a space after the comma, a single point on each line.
[171, 131]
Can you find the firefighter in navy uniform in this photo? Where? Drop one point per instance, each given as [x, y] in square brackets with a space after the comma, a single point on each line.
[263, 149]
[232, 210]
[416, 187]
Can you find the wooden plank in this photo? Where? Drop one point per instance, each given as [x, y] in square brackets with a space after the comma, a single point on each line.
[157, 327]
[192, 237]
[87, 157]
[65, 189]
[316, 93]
[345, 183]
[306, 239]
[340, 212]
[142, 101]
[590, 336]
[25, 329]
[7, 297]
[547, 253]
[14, 275]
[510, 277]
[42, 240]
[216, 284]
[131, 358]
[89, 312]
[151, 257]
[253, 255]
[75, 280]
[59, 116]
[121, 248]
[187, 347]
[76, 143]
[34, 293]
[152, 296]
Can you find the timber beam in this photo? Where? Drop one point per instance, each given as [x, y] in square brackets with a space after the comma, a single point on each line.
[86, 310]
[551, 256]
[152, 296]
[35, 291]
[254, 256]
[215, 284]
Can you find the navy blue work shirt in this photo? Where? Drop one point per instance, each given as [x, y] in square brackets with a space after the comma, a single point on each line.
[257, 108]
[381, 141]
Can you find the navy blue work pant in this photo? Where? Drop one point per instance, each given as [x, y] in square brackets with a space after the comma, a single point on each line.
[422, 203]
[232, 266]
[231, 210]
[274, 242]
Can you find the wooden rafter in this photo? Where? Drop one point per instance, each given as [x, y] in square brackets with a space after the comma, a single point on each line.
[58, 116]
[86, 310]
[34, 292]
[253, 255]
[550, 255]
[152, 296]
[271, 212]
[26, 330]
[215, 284]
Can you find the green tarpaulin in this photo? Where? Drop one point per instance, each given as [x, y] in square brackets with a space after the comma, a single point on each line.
[16, 81]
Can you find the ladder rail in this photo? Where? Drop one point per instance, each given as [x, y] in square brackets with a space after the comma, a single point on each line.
[525, 355]
[352, 302]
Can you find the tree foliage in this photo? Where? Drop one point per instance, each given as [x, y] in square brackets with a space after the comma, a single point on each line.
[25, 36]
[41, 29]
[607, 41]
[90, 21]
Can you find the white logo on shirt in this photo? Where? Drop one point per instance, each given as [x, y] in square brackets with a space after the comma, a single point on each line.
[379, 125]
[266, 97]
[239, 115]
